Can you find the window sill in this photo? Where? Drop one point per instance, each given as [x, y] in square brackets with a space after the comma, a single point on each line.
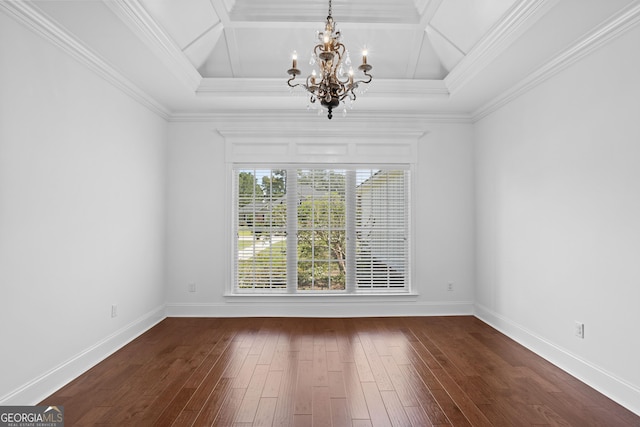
[321, 297]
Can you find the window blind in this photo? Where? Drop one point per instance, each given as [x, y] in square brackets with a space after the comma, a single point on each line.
[381, 229]
[340, 230]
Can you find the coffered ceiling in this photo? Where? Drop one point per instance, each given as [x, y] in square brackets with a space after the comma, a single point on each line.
[443, 57]
[253, 39]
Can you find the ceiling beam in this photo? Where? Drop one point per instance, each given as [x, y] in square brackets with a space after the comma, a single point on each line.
[135, 16]
[230, 36]
[427, 14]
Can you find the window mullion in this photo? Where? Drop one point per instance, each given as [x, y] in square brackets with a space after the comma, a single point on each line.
[292, 230]
[350, 213]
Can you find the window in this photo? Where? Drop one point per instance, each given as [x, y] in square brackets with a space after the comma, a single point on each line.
[306, 230]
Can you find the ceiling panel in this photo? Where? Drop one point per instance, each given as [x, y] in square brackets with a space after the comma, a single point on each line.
[185, 21]
[217, 63]
[464, 22]
[371, 11]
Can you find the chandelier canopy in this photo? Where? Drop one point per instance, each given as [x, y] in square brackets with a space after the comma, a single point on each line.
[333, 83]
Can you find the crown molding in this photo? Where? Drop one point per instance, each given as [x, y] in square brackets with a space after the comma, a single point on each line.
[515, 22]
[132, 13]
[379, 133]
[37, 21]
[609, 30]
[274, 86]
[241, 119]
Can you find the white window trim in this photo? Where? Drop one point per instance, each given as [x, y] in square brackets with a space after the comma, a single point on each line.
[350, 291]
[387, 144]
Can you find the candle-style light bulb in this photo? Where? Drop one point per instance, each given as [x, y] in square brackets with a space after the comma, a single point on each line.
[365, 52]
[294, 58]
[313, 77]
[351, 75]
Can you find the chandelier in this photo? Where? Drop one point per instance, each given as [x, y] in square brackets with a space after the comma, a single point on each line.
[333, 83]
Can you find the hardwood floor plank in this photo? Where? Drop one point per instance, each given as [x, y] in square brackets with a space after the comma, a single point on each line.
[427, 400]
[251, 399]
[399, 354]
[321, 407]
[362, 363]
[417, 416]
[375, 363]
[336, 385]
[165, 416]
[229, 408]
[377, 412]
[92, 417]
[243, 378]
[551, 418]
[320, 369]
[304, 388]
[302, 420]
[214, 376]
[446, 376]
[340, 412]
[454, 415]
[402, 388]
[206, 364]
[345, 350]
[286, 394]
[269, 348]
[420, 371]
[395, 410]
[272, 384]
[355, 395]
[265, 412]
[211, 408]
[334, 362]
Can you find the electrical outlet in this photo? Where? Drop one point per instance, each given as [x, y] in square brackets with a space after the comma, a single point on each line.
[579, 329]
[192, 287]
[114, 310]
[450, 287]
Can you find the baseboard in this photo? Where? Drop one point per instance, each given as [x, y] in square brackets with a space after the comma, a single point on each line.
[39, 388]
[346, 308]
[604, 382]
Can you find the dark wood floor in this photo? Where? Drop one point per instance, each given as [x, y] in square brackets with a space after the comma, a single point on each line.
[418, 371]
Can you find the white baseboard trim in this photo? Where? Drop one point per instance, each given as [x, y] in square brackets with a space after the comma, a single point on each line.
[46, 384]
[346, 308]
[604, 382]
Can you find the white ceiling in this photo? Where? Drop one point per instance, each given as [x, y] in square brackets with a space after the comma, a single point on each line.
[254, 38]
[442, 57]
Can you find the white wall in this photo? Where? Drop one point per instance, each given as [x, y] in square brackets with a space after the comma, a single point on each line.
[81, 216]
[558, 218]
[198, 238]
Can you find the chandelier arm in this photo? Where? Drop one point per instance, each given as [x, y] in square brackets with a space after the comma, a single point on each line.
[370, 77]
[344, 83]
[293, 77]
[297, 84]
[308, 83]
[340, 50]
[350, 93]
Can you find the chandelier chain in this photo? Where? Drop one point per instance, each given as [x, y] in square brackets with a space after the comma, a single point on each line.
[329, 7]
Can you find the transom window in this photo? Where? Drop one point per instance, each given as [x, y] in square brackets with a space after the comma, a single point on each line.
[306, 230]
